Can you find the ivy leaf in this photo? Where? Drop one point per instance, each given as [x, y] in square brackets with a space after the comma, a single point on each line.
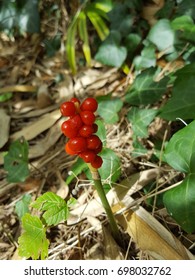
[180, 202]
[163, 36]
[108, 109]
[33, 242]
[110, 169]
[182, 102]
[180, 154]
[147, 58]
[16, 161]
[140, 119]
[22, 206]
[110, 52]
[180, 151]
[101, 133]
[54, 207]
[145, 90]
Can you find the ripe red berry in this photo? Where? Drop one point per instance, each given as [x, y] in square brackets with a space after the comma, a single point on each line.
[97, 163]
[89, 104]
[88, 156]
[95, 127]
[87, 117]
[76, 122]
[86, 131]
[68, 150]
[68, 109]
[75, 100]
[93, 142]
[98, 150]
[68, 129]
[77, 144]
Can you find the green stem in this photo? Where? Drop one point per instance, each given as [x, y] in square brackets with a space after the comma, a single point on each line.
[99, 187]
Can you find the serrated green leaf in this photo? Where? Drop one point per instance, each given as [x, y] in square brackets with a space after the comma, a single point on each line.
[108, 109]
[16, 161]
[145, 90]
[140, 119]
[180, 151]
[33, 242]
[54, 207]
[182, 102]
[180, 202]
[111, 52]
[163, 36]
[22, 206]
[82, 25]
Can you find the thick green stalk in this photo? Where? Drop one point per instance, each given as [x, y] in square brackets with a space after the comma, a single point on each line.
[100, 190]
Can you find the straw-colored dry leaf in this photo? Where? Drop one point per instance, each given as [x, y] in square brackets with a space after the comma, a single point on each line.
[149, 11]
[32, 130]
[4, 127]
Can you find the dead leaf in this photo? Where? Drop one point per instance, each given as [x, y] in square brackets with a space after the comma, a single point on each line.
[4, 127]
[149, 11]
[43, 97]
[18, 88]
[32, 130]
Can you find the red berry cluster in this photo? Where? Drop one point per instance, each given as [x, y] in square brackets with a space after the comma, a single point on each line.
[80, 128]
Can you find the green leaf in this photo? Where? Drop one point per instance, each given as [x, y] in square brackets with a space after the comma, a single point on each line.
[108, 109]
[186, 7]
[140, 119]
[33, 242]
[101, 133]
[138, 149]
[182, 102]
[111, 52]
[162, 36]
[28, 17]
[70, 43]
[98, 23]
[82, 25]
[52, 45]
[6, 96]
[110, 169]
[147, 58]
[180, 202]
[145, 90]
[16, 161]
[78, 167]
[132, 41]
[185, 26]
[22, 206]
[120, 19]
[54, 207]
[180, 151]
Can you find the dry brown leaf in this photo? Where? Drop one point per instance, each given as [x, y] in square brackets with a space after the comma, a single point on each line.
[151, 236]
[32, 130]
[149, 11]
[43, 97]
[4, 127]
[18, 88]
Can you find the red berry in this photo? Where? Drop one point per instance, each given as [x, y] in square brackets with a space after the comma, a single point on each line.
[75, 100]
[68, 129]
[88, 156]
[98, 150]
[76, 122]
[93, 142]
[77, 144]
[97, 163]
[68, 109]
[95, 127]
[86, 131]
[89, 104]
[87, 117]
[68, 150]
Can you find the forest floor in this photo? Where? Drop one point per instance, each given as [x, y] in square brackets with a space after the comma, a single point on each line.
[38, 89]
